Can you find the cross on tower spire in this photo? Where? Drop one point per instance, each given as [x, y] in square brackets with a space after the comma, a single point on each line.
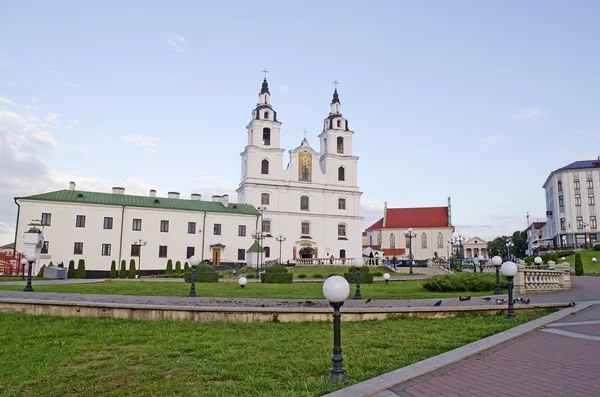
[335, 83]
[305, 132]
[265, 71]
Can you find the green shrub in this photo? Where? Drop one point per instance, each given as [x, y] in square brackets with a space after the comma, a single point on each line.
[365, 277]
[41, 271]
[131, 273]
[302, 275]
[177, 267]
[186, 267]
[463, 282]
[276, 278]
[364, 269]
[169, 267]
[177, 275]
[113, 270]
[276, 269]
[123, 271]
[71, 270]
[331, 275]
[50, 264]
[221, 275]
[317, 275]
[457, 267]
[578, 265]
[251, 275]
[81, 269]
[378, 274]
[597, 247]
[204, 274]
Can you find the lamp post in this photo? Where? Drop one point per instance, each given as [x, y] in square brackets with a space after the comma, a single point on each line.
[31, 258]
[497, 261]
[261, 236]
[509, 244]
[358, 263]
[480, 264]
[139, 243]
[336, 289]
[23, 264]
[448, 249]
[386, 277]
[509, 269]
[280, 239]
[459, 240]
[585, 225]
[243, 281]
[409, 234]
[538, 261]
[194, 262]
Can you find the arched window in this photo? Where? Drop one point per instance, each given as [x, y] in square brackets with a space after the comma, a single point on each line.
[264, 168]
[392, 241]
[265, 199]
[423, 240]
[266, 115]
[440, 240]
[266, 136]
[342, 253]
[304, 203]
[340, 144]
[379, 239]
[341, 204]
[341, 230]
[305, 229]
[338, 123]
[266, 226]
[267, 252]
[560, 186]
[341, 174]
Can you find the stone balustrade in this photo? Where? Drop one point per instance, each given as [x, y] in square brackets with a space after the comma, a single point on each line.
[327, 262]
[552, 277]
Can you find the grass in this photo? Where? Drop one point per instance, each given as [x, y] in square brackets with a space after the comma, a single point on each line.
[63, 357]
[15, 278]
[586, 257]
[378, 290]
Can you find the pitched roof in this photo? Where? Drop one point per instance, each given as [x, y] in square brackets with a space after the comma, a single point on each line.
[538, 225]
[403, 218]
[255, 247]
[393, 251]
[79, 196]
[581, 164]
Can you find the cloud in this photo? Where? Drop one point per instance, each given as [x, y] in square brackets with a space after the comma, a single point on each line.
[526, 114]
[52, 119]
[11, 83]
[371, 211]
[72, 85]
[147, 143]
[493, 139]
[6, 100]
[175, 42]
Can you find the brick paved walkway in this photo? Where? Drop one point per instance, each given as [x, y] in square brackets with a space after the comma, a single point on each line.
[541, 363]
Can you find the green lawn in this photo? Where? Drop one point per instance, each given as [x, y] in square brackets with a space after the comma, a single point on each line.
[377, 290]
[63, 357]
[13, 278]
[586, 257]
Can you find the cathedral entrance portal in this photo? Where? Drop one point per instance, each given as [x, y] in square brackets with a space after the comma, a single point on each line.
[307, 253]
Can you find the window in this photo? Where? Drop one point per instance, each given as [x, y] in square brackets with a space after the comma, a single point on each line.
[266, 226]
[593, 223]
[304, 203]
[137, 225]
[189, 252]
[342, 254]
[341, 174]
[578, 200]
[591, 200]
[562, 223]
[45, 247]
[341, 204]
[78, 249]
[267, 252]
[266, 136]
[217, 229]
[265, 199]
[341, 230]
[46, 219]
[338, 123]
[266, 115]
[440, 240]
[191, 227]
[392, 241]
[379, 239]
[590, 183]
[305, 228]
[241, 254]
[561, 202]
[560, 186]
[241, 230]
[423, 240]
[135, 250]
[80, 221]
[340, 143]
[264, 167]
[164, 226]
[162, 251]
[108, 222]
[579, 222]
[105, 249]
[576, 183]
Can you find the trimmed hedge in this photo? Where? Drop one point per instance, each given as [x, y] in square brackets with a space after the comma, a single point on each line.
[317, 275]
[131, 273]
[81, 269]
[204, 274]
[597, 247]
[123, 271]
[186, 267]
[578, 265]
[71, 270]
[276, 269]
[463, 282]
[302, 275]
[251, 275]
[365, 277]
[177, 267]
[378, 274]
[41, 271]
[169, 267]
[276, 278]
[113, 270]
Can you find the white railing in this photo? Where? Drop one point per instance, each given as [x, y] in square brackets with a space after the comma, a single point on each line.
[327, 262]
[533, 279]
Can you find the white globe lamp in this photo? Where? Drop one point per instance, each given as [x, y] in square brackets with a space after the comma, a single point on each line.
[509, 269]
[386, 277]
[538, 260]
[243, 281]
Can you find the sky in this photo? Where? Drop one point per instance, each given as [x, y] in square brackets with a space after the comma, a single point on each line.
[477, 101]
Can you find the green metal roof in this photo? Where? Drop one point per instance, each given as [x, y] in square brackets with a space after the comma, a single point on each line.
[78, 196]
[255, 248]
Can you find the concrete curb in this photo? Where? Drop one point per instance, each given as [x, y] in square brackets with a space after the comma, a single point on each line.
[377, 386]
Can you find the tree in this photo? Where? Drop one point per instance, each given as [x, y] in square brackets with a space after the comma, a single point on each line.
[41, 271]
[186, 267]
[498, 246]
[131, 268]
[71, 270]
[113, 269]
[177, 267]
[169, 267]
[50, 264]
[519, 239]
[123, 271]
[81, 269]
[578, 265]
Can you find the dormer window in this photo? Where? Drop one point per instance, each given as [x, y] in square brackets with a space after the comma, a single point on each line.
[266, 136]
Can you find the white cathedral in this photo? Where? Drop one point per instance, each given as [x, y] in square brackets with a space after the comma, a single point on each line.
[311, 208]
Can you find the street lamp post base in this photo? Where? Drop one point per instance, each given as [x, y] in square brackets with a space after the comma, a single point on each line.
[28, 288]
[338, 375]
[498, 290]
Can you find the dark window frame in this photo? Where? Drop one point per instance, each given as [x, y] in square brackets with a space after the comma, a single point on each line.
[302, 226]
[137, 222]
[341, 203]
[45, 247]
[107, 251]
[304, 202]
[78, 245]
[135, 250]
[191, 228]
[164, 226]
[108, 223]
[46, 219]
[241, 254]
[241, 230]
[264, 167]
[80, 221]
[188, 250]
[162, 248]
[217, 229]
[341, 174]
